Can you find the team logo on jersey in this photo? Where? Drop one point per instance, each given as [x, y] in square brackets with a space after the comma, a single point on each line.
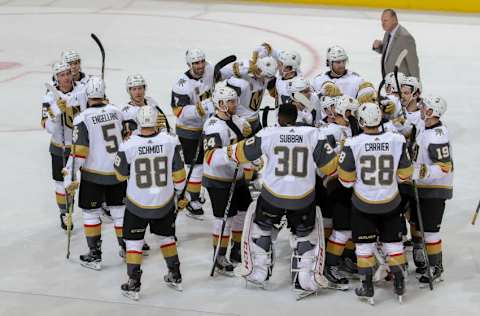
[181, 82]
[438, 132]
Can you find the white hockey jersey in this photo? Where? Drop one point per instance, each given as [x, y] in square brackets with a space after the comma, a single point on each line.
[433, 149]
[59, 124]
[218, 170]
[97, 137]
[293, 153]
[373, 164]
[336, 135]
[155, 169]
[348, 84]
[130, 111]
[186, 93]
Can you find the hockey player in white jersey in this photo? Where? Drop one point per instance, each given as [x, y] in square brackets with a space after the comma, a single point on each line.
[72, 58]
[136, 87]
[346, 81]
[373, 163]
[293, 154]
[411, 90]
[191, 107]
[307, 102]
[340, 248]
[96, 138]
[57, 120]
[434, 179]
[221, 130]
[252, 78]
[290, 68]
[152, 163]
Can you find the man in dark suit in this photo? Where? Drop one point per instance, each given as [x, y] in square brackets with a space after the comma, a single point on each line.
[396, 39]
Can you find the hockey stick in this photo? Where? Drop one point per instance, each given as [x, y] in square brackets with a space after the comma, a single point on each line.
[70, 209]
[192, 165]
[474, 219]
[217, 76]
[69, 205]
[102, 51]
[225, 217]
[398, 62]
[422, 233]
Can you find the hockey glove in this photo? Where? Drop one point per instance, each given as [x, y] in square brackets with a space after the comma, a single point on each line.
[420, 172]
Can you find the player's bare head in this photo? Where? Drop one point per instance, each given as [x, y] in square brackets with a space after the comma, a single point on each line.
[225, 99]
[195, 59]
[369, 117]
[63, 74]
[136, 86]
[389, 20]
[72, 58]
[287, 114]
[337, 59]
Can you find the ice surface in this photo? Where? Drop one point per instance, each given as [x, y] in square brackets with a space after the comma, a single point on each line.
[150, 37]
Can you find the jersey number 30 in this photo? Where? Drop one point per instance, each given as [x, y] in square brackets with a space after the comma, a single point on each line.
[291, 162]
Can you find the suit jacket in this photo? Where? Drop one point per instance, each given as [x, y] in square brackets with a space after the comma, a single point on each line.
[401, 40]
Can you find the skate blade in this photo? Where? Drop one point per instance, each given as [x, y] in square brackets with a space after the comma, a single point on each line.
[131, 295]
[229, 274]
[258, 285]
[301, 294]
[177, 287]
[427, 285]
[400, 299]
[92, 265]
[195, 217]
[368, 300]
[338, 287]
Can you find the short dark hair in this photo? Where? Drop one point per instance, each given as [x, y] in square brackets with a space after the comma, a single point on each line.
[288, 111]
[392, 13]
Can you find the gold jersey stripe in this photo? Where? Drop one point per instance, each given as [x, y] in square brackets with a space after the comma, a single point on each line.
[330, 167]
[149, 207]
[347, 176]
[188, 128]
[405, 173]
[120, 177]
[288, 197]
[179, 175]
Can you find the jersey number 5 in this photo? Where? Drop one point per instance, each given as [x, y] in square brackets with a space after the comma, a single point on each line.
[111, 141]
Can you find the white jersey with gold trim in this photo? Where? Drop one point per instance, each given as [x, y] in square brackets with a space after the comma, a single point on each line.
[348, 83]
[373, 164]
[155, 170]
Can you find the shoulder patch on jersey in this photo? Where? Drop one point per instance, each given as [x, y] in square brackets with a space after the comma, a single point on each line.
[355, 74]
[181, 82]
[439, 132]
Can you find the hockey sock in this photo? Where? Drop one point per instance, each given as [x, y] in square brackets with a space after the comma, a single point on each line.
[134, 256]
[168, 246]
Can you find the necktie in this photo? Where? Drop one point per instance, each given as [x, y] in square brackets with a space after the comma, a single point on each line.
[384, 56]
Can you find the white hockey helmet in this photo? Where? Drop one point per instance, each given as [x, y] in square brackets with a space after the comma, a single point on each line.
[369, 115]
[69, 56]
[298, 84]
[290, 59]
[60, 67]
[437, 104]
[223, 93]
[95, 88]
[267, 66]
[336, 53]
[194, 55]
[412, 82]
[391, 83]
[345, 103]
[147, 116]
[135, 81]
[327, 102]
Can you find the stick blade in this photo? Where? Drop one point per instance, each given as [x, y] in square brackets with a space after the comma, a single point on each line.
[401, 57]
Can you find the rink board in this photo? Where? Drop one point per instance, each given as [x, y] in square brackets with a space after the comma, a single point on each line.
[468, 6]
